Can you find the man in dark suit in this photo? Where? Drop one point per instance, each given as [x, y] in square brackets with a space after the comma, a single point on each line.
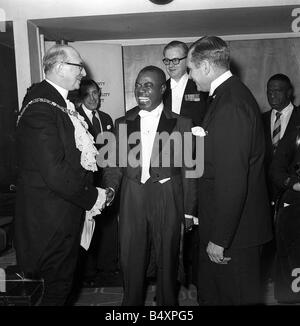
[280, 120]
[155, 194]
[182, 97]
[279, 93]
[54, 186]
[102, 255]
[285, 173]
[233, 204]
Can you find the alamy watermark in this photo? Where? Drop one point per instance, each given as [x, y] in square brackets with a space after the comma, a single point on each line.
[175, 150]
[296, 282]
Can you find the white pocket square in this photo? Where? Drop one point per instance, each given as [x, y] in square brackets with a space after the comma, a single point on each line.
[286, 205]
[164, 180]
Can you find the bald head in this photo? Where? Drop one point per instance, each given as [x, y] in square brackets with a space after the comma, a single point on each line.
[63, 66]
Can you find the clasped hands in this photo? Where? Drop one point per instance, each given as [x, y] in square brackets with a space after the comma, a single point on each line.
[110, 195]
[215, 253]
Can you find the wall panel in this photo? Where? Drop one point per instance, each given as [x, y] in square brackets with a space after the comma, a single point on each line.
[254, 61]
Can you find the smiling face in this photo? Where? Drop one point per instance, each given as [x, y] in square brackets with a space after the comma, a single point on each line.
[176, 71]
[149, 89]
[92, 98]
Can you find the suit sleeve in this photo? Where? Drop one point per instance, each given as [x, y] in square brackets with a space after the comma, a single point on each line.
[279, 171]
[231, 147]
[49, 157]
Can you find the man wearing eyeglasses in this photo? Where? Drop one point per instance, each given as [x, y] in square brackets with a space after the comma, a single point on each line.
[54, 189]
[182, 97]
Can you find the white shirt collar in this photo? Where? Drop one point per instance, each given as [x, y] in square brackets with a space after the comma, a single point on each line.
[154, 113]
[286, 110]
[88, 112]
[62, 91]
[183, 80]
[218, 81]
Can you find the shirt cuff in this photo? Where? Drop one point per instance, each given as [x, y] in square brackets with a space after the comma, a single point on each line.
[195, 219]
[98, 206]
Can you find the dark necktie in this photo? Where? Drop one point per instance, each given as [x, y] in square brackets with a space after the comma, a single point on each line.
[276, 131]
[96, 124]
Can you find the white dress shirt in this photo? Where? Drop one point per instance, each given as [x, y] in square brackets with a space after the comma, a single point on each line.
[177, 89]
[218, 81]
[284, 118]
[149, 123]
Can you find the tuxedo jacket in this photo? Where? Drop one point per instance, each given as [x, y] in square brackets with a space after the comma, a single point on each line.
[107, 125]
[193, 103]
[184, 188]
[233, 201]
[53, 189]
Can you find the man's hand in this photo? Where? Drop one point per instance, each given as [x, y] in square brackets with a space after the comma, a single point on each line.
[110, 195]
[215, 252]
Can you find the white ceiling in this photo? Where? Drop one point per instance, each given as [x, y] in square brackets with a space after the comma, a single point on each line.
[173, 24]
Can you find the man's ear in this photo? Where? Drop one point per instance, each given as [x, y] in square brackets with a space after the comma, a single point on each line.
[206, 66]
[163, 88]
[58, 69]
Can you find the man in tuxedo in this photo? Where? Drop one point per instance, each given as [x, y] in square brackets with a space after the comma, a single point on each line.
[102, 255]
[281, 119]
[233, 204]
[154, 196]
[54, 187]
[182, 97]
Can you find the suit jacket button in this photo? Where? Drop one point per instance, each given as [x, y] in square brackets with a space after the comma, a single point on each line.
[86, 188]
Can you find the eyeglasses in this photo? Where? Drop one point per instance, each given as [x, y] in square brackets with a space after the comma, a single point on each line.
[175, 61]
[79, 65]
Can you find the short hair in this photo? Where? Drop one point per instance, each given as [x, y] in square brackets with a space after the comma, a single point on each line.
[55, 54]
[157, 70]
[85, 84]
[176, 44]
[282, 78]
[211, 48]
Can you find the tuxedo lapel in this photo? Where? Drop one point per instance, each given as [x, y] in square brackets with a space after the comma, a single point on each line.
[166, 124]
[213, 104]
[133, 125]
[210, 112]
[168, 96]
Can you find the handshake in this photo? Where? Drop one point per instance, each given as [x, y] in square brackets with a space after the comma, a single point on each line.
[110, 195]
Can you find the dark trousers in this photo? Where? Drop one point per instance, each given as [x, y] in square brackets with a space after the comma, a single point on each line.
[235, 283]
[57, 266]
[288, 253]
[102, 254]
[149, 219]
[190, 255]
